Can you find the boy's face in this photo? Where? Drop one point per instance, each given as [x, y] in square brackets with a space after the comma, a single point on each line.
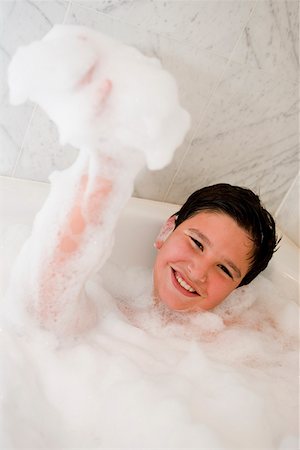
[201, 262]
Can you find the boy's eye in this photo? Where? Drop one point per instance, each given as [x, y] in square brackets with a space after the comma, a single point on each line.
[226, 271]
[197, 242]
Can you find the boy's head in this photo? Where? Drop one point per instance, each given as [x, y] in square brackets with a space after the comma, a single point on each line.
[239, 231]
[245, 208]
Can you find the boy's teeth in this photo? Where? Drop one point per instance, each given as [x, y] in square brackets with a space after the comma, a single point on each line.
[184, 284]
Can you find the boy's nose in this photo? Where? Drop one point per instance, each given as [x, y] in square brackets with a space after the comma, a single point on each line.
[198, 271]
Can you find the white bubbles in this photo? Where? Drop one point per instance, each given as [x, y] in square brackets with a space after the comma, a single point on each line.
[101, 93]
[148, 379]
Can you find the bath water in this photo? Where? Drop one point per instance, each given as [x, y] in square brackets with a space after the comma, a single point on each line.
[147, 377]
[139, 376]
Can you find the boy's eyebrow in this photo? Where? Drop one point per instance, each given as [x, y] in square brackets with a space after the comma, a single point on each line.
[201, 236]
[205, 239]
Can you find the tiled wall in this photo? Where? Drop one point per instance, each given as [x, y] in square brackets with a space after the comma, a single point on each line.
[236, 64]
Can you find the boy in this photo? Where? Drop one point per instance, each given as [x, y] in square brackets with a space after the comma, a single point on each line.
[220, 239]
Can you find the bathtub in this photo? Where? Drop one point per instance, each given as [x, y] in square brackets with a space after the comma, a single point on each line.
[138, 226]
[150, 375]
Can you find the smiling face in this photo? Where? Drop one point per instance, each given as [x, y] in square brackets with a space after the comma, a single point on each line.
[201, 262]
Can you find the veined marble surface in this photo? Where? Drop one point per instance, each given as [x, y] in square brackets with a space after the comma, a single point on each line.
[249, 136]
[237, 68]
[212, 25]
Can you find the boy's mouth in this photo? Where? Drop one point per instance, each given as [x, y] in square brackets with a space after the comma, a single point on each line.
[182, 285]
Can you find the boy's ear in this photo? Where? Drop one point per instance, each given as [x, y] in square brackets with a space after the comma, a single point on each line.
[165, 232]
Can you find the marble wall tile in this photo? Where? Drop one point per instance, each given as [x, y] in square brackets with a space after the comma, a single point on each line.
[27, 20]
[288, 213]
[42, 152]
[197, 72]
[13, 123]
[250, 133]
[20, 23]
[271, 37]
[115, 8]
[249, 136]
[214, 25]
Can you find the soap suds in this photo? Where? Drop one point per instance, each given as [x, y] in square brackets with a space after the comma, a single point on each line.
[121, 110]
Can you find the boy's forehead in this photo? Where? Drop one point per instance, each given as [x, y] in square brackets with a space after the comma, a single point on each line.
[202, 221]
[212, 224]
[198, 215]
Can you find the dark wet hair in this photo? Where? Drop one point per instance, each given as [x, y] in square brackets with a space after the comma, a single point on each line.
[246, 209]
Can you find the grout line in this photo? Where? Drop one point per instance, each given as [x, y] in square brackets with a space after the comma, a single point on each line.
[13, 171]
[286, 195]
[214, 90]
[67, 11]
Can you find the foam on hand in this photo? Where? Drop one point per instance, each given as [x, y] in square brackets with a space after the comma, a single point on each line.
[120, 109]
[96, 89]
